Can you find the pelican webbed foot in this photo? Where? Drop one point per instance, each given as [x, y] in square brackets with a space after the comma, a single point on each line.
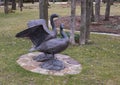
[53, 64]
[43, 57]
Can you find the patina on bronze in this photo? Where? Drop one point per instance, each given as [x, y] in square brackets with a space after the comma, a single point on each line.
[45, 41]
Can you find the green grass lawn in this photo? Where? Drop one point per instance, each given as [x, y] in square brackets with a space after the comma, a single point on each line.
[100, 60]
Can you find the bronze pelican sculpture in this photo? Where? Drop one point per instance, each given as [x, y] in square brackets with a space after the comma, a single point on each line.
[38, 32]
[43, 40]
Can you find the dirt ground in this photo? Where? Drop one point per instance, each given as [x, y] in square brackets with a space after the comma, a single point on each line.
[111, 26]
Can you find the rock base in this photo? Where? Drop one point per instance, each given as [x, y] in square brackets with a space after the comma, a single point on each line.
[71, 66]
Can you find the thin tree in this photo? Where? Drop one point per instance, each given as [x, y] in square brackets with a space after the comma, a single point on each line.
[92, 13]
[43, 10]
[107, 11]
[20, 4]
[32, 1]
[97, 10]
[104, 1]
[85, 21]
[6, 10]
[72, 21]
[13, 4]
[112, 1]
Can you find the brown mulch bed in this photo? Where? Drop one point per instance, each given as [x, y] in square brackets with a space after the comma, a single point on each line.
[111, 26]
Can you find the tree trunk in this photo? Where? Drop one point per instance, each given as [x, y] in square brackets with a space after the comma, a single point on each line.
[20, 4]
[13, 4]
[48, 4]
[85, 21]
[68, 2]
[54, 1]
[72, 23]
[112, 1]
[6, 10]
[118, 1]
[92, 13]
[107, 12]
[43, 7]
[32, 1]
[97, 10]
[104, 1]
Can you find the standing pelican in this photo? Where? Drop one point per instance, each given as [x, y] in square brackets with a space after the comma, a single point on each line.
[54, 46]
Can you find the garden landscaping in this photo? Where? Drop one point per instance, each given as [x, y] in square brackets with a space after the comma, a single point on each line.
[111, 26]
[100, 59]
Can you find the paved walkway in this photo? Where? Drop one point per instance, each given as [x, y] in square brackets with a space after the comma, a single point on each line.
[111, 34]
[58, 3]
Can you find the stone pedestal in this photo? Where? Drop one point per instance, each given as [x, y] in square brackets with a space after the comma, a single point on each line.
[71, 66]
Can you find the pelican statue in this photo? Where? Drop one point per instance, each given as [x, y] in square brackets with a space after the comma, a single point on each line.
[52, 47]
[46, 41]
[41, 33]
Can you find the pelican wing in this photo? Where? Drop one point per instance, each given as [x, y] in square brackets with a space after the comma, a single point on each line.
[36, 34]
